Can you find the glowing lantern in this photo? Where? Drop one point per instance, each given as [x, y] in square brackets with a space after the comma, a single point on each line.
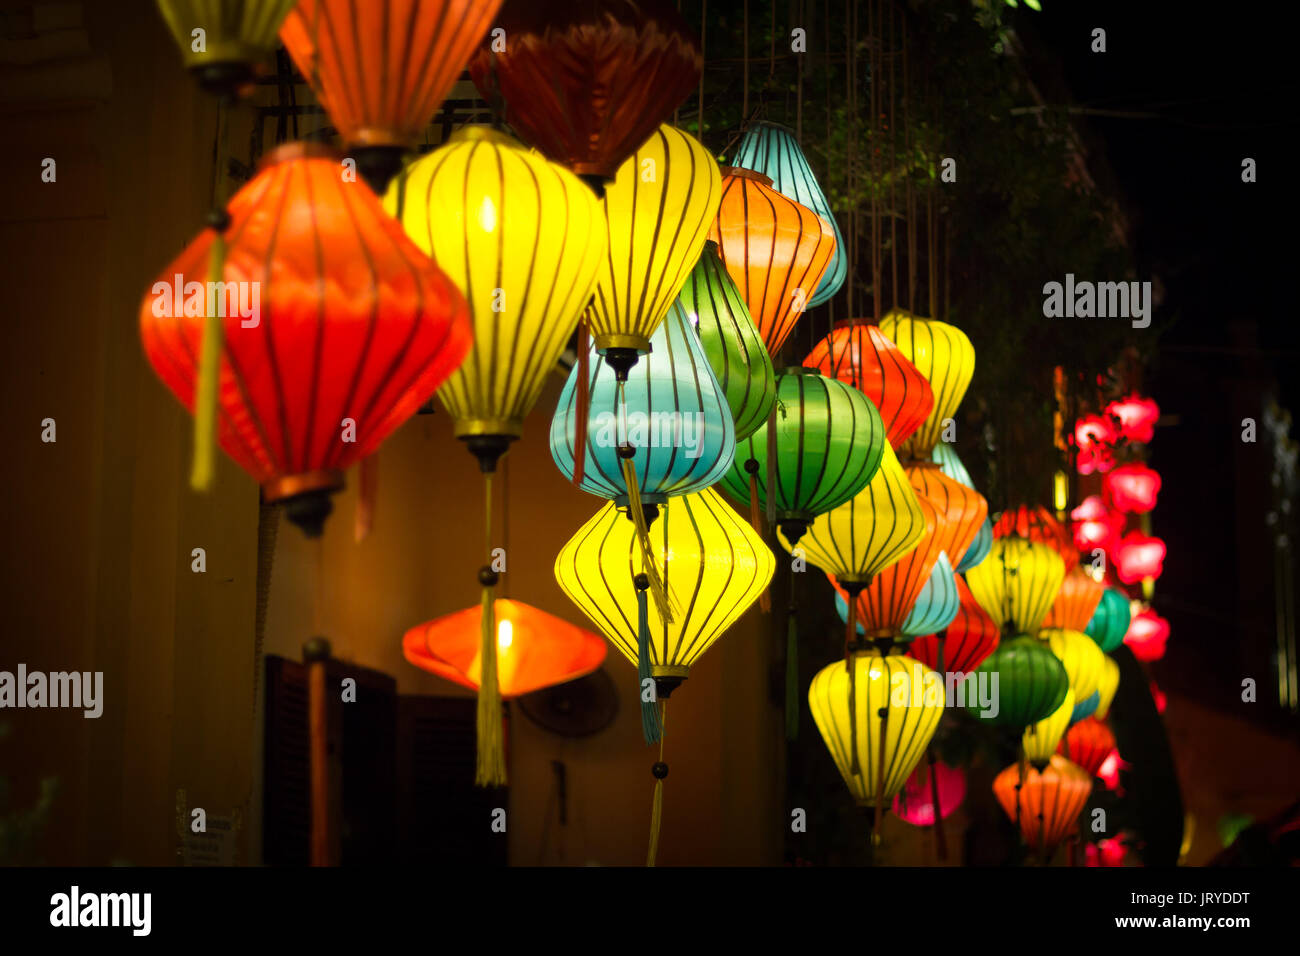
[586, 83]
[877, 735]
[775, 249]
[660, 207]
[1086, 707]
[730, 341]
[1037, 524]
[1030, 684]
[915, 802]
[1076, 602]
[1095, 437]
[773, 151]
[381, 69]
[1132, 489]
[534, 649]
[1107, 688]
[1081, 656]
[860, 355]
[1096, 526]
[1107, 852]
[1040, 739]
[327, 342]
[1139, 556]
[968, 640]
[676, 419]
[961, 508]
[1109, 623]
[944, 355]
[237, 36]
[1109, 770]
[1159, 698]
[1045, 803]
[937, 604]
[1147, 634]
[1017, 583]
[1088, 743]
[1136, 416]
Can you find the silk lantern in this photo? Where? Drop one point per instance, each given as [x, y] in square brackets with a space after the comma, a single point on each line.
[1044, 803]
[1139, 556]
[1039, 740]
[534, 649]
[1086, 707]
[966, 642]
[1081, 657]
[1076, 602]
[937, 604]
[1095, 526]
[776, 250]
[1132, 489]
[944, 355]
[730, 341]
[773, 151]
[1030, 683]
[237, 35]
[861, 355]
[962, 509]
[382, 68]
[1095, 437]
[1037, 524]
[1136, 416]
[1109, 623]
[945, 456]
[331, 356]
[916, 802]
[1017, 583]
[1107, 688]
[1147, 635]
[1088, 743]
[586, 83]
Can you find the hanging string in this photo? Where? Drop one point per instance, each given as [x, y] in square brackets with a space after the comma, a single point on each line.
[582, 400]
[363, 520]
[650, 726]
[851, 146]
[798, 87]
[704, 22]
[880, 777]
[660, 772]
[505, 520]
[850, 635]
[873, 99]
[627, 464]
[491, 764]
[792, 666]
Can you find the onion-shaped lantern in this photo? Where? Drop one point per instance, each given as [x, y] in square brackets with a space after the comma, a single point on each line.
[938, 602]
[730, 341]
[961, 507]
[1076, 602]
[773, 151]
[1019, 684]
[1040, 739]
[965, 643]
[944, 355]
[1080, 655]
[945, 456]
[223, 41]
[1088, 743]
[1045, 803]
[1017, 583]
[1110, 621]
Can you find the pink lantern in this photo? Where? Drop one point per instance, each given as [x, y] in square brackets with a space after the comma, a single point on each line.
[1136, 416]
[1095, 436]
[1139, 556]
[1133, 488]
[1108, 852]
[1159, 697]
[1109, 771]
[1147, 634]
[1095, 526]
[915, 803]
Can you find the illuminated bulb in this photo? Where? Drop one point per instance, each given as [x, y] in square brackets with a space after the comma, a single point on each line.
[505, 634]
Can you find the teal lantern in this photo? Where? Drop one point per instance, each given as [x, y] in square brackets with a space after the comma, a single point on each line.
[979, 547]
[1086, 707]
[1110, 621]
[674, 417]
[946, 458]
[773, 151]
[731, 342]
[938, 603]
[827, 441]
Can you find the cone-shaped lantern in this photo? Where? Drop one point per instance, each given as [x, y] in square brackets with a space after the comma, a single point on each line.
[773, 151]
[1046, 803]
[858, 353]
[382, 68]
[587, 82]
[331, 357]
[776, 249]
[1076, 602]
[730, 341]
[964, 644]
[1109, 623]
[944, 355]
[1026, 682]
[223, 41]
[1088, 743]
[1040, 739]
[534, 649]
[1017, 583]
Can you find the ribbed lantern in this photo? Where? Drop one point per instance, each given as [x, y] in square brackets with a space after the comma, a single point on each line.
[1107, 688]
[858, 353]
[1037, 524]
[237, 35]
[773, 151]
[944, 355]
[1109, 623]
[1030, 683]
[1017, 583]
[1088, 743]
[1045, 803]
[1086, 707]
[328, 358]
[962, 509]
[675, 417]
[945, 456]
[587, 82]
[1076, 602]
[730, 341]
[965, 643]
[1040, 739]
[382, 68]
[659, 208]
[938, 602]
[776, 250]
[826, 441]
[1082, 658]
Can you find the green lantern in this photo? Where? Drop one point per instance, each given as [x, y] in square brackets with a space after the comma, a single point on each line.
[731, 342]
[1110, 621]
[829, 441]
[1031, 684]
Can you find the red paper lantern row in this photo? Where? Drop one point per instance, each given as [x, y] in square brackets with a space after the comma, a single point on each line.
[1088, 743]
[1136, 417]
[1096, 526]
[1147, 634]
[1095, 437]
[1132, 488]
[969, 639]
[1037, 524]
[1139, 556]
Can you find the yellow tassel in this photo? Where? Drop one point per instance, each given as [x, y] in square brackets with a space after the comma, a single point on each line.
[205, 390]
[656, 817]
[643, 539]
[491, 770]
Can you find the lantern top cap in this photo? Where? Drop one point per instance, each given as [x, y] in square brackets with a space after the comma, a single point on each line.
[302, 149]
[743, 173]
[481, 133]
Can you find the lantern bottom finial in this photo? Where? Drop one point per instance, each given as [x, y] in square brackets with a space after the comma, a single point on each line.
[378, 165]
[488, 449]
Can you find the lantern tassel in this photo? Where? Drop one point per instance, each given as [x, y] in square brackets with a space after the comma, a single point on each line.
[851, 625]
[643, 539]
[660, 771]
[364, 519]
[650, 727]
[791, 675]
[205, 389]
[491, 770]
[582, 404]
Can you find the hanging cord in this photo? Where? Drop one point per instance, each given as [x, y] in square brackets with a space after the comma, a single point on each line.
[792, 665]
[651, 729]
[880, 777]
[851, 149]
[756, 520]
[491, 765]
[744, 101]
[911, 191]
[268, 525]
[850, 663]
[660, 771]
[699, 116]
[627, 453]
[205, 388]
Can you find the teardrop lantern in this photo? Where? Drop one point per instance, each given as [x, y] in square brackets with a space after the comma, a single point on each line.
[1017, 583]
[965, 643]
[945, 356]
[237, 36]
[1109, 623]
[1044, 803]
[1030, 684]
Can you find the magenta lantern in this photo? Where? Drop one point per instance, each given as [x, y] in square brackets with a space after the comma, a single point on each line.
[915, 803]
[1095, 436]
[1095, 526]
[1139, 556]
[1147, 634]
[1136, 416]
[1133, 488]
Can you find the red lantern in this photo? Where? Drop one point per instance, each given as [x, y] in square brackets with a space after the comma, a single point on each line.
[1045, 803]
[534, 649]
[1136, 416]
[860, 355]
[587, 83]
[1139, 556]
[1075, 603]
[1109, 770]
[1088, 743]
[1147, 634]
[1106, 852]
[354, 328]
[915, 802]
[1037, 524]
[1158, 698]
[1095, 437]
[1096, 526]
[1133, 488]
[971, 637]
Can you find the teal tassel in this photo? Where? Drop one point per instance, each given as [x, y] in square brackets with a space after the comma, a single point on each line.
[791, 677]
[650, 726]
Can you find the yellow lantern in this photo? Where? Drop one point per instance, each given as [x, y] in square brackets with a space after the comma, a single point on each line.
[946, 358]
[1017, 583]
[877, 733]
[1106, 687]
[236, 36]
[1083, 659]
[1040, 740]
[659, 207]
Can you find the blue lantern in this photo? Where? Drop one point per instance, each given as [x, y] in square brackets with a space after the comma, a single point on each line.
[937, 605]
[1086, 707]
[773, 151]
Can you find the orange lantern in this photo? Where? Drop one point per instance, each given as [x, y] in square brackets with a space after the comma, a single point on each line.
[1088, 743]
[1037, 524]
[1076, 602]
[962, 508]
[963, 645]
[774, 249]
[1050, 800]
[534, 649]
